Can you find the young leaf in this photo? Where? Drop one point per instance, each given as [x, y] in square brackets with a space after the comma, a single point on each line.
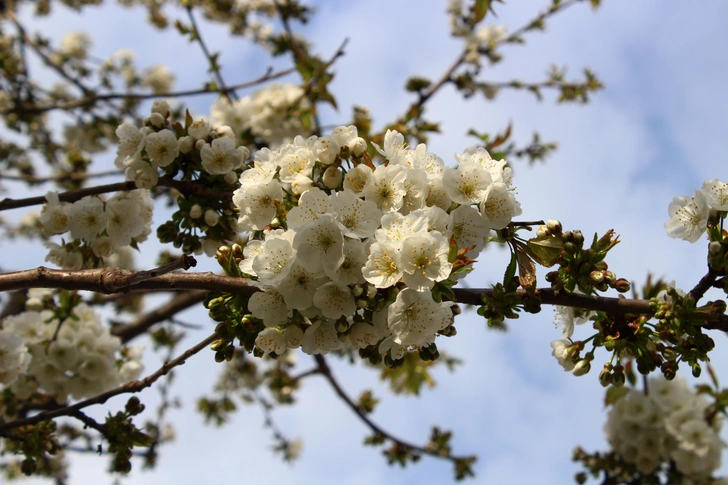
[545, 250]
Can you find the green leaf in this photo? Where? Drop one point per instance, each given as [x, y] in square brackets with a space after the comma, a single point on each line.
[614, 394]
[545, 250]
[480, 9]
[511, 270]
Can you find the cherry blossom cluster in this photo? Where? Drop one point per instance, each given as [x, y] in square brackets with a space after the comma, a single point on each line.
[689, 215]
[74, 356]
[347, 253]
[143, 151]
[100, 228]
[266, 113]
[668, 424]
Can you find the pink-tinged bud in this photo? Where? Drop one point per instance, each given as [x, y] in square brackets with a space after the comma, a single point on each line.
[596, 276]
[622, 285]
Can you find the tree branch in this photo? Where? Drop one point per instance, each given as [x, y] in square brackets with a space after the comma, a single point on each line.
[131, 387]
[325, 371]
[186, 187]
[79, 103]
[139, 326]
[214, 67]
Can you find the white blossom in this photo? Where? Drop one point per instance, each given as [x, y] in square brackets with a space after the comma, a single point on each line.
[88, 218]
[161, 147]
[688, 217]
[716, 194]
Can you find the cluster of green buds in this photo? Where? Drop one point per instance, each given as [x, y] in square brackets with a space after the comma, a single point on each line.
[586, 269]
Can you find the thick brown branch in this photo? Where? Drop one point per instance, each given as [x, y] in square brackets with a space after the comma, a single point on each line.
[131, 387]
[325, 371]
[98, 280]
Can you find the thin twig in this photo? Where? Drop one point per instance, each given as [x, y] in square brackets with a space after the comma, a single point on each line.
[131, 387]
[269, 75]
[186, 187]
[31, 179]
[214, 67]
[325, 371]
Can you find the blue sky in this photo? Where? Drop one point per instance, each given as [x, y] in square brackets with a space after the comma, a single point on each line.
[658, 130]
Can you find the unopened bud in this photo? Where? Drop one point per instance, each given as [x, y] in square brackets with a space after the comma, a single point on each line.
[211, 217]
[199, 144]
[622, 285]
[605, 377]
[358, 146]
[543, 231]
[225, 131]
[185, 144]
[357, 290]
[361, 303]
[230, 178]
[582, 367]
[371, 291]
[332, 177]
[596, 276]
[161, 106]
[195, 211]
[554, 227]
[275, 223]
[714, 247]
[156, 120]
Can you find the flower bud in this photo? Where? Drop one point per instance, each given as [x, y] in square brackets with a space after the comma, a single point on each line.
[230, 178]
[156, 120]
[543, 231]
[605, 377]
[161, 106]
[199, 129]
[195, 211]
[244, 152]
[358, 146]
[332, 177]
[714, 247]
[596, 276]
[225, 131]
[185, 144]
[275, 223]
[357, 290]
[211, 217]
[362, 303]
[554, 227]
[371, 291]
[622, 285]
[199, 144]
[582, 367]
